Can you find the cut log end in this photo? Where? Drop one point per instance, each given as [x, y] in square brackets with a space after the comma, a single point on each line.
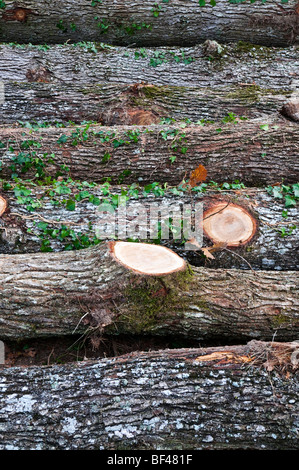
[229, 223]
[3, 205]
[146, 259]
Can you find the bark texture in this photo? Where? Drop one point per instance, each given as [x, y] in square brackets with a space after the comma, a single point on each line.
[93, 63]
[178, 22]
[114, 105]
[52, 294]
[172, 399]
[21, 233]
[242, 151]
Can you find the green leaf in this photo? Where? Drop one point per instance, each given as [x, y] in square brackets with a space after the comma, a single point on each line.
[285, 214]
[42, 225]
[295, 189]
[290, 201]
[62, 139]
[277, 192]
[265, 127]
[70, 205]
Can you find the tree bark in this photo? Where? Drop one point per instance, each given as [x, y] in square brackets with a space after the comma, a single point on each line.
[179, 23]
[114, 105]
[242, 151]
[213, 398]
[110, 86]
[200, 66]
[53, 294]
[269, 249]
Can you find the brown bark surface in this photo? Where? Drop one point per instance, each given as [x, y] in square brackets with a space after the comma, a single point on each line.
[242, 397]
[87, 291]
[178, 22]
[241, 150]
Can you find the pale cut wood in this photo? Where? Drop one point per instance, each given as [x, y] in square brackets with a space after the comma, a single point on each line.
[204, 398]
[229, 224]
[3, 205]
[147, 259]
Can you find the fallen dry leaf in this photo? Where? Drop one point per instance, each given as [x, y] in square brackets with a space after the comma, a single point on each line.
[199, 175]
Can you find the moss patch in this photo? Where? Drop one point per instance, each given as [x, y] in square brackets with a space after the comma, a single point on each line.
[151, 301]
[252, 93]
[281, 319]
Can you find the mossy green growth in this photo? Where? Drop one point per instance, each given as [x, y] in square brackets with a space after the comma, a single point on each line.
[280, 320]
[152, 300]
[252, 93]
[151, 95]
[255, 49]
[154, 91]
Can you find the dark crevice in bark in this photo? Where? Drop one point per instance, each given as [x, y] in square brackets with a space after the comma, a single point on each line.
[77, 348]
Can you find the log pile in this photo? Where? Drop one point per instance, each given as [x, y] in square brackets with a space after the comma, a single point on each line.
[174, 105]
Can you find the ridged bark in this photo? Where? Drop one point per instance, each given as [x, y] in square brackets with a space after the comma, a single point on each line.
[267, 250]
[115, 105]
[52, 294]
[214, 398]
[199, 66]
[179, 22]
[242, 150]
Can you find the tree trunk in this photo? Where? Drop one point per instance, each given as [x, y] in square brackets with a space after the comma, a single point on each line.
[179, 23]
[242, 150]
[215, 398]
[201, 66]
[88, 291]
[114, 105]
[115, 85]
[53, 226]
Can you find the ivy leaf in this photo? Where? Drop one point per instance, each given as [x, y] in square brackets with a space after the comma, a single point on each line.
[277, 192]
[296, 189]
[289, 201]
[70, 205]
[62, 139]
[42, 225]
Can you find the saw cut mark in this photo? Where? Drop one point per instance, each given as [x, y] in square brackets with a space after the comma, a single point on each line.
[3, 205]
[147, 259]
[228, 223]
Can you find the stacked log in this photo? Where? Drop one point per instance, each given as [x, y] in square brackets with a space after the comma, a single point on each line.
[106, 112]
